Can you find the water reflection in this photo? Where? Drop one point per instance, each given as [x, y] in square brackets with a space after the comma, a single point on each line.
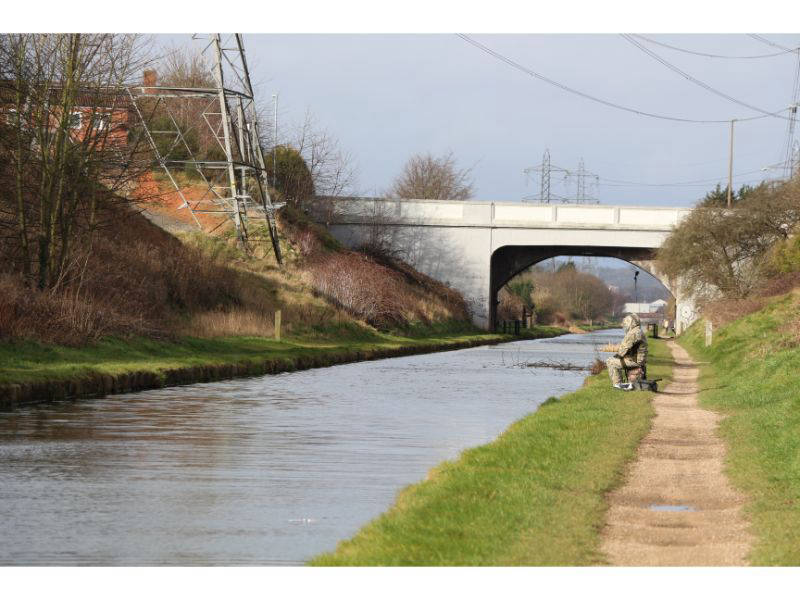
[268, 470]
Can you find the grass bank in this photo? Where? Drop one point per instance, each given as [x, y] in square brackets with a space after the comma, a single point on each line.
[752, 375]
[534, 496]
[30, 371]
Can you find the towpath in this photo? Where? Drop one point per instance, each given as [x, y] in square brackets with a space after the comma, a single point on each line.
[677, 506]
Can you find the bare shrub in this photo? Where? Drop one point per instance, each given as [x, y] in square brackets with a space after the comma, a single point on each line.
[723, 311]
[381, 296]
[598, 366]
[510, 306]
[362, 287]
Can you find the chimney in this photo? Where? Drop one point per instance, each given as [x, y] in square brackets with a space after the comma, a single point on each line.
[149, 80]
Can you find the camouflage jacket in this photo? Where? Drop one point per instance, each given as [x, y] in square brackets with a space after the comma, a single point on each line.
[634, 345]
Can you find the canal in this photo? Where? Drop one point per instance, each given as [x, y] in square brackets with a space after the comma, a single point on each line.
[269, 470]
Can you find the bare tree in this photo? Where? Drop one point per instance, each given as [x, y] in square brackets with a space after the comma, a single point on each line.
[64, 142]
[427, 177]
[332, 168]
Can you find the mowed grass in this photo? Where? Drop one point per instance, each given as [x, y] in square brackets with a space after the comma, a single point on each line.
[534, 496]
[753, 377]
[22, 362]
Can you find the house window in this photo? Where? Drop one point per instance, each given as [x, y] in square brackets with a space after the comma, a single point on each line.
[75, 120]
[101, 121]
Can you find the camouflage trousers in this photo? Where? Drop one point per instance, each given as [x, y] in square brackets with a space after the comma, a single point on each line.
[615, 370]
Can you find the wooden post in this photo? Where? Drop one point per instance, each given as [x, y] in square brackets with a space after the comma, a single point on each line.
[278, 325]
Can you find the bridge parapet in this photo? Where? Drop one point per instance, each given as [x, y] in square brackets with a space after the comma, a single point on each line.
[451, 213]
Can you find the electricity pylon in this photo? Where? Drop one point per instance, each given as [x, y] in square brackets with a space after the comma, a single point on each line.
[235, 181]
[546, 170]
[581, 175]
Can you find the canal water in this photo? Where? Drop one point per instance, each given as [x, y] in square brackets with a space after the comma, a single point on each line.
[269, 470]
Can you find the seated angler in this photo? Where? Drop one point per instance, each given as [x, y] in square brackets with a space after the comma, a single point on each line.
[631, 355]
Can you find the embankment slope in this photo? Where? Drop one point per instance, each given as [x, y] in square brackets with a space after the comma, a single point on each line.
[751, 374]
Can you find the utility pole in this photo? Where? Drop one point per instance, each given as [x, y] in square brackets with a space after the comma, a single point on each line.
[730, 167]
[635, 287]
[791, 146]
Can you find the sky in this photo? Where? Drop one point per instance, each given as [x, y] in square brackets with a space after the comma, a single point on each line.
[389, 96]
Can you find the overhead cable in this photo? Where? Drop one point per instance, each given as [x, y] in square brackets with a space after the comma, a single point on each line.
[678, 183]
[706, 54]
[571, 90]
[702, 84]
[764, 40]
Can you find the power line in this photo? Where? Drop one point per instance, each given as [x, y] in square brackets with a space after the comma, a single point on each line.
[707, 55]
[678, 183]
[764, 40]
[696, 81]
[566, 88]
[694, 185]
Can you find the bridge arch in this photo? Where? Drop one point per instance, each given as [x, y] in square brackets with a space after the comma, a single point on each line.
[475, 247]
[509, 261]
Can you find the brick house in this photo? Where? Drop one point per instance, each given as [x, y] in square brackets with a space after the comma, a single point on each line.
[105, 115]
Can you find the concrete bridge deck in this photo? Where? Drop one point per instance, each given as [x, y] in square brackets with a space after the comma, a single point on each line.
[476, 247]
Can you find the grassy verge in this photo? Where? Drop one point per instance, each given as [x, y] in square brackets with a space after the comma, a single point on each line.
[753, 376]
[51, 372]
[534, 496]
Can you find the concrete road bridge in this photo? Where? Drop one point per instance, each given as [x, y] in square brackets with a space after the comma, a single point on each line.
[477, 247]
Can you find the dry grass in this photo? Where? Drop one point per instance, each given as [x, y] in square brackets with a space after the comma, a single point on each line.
[598, 366]
[238, 321]
[724, 311]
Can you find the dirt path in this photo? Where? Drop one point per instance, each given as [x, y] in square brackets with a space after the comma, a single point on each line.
[677, 507]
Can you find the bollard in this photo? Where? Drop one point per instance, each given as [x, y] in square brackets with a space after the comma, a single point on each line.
[278, 325]
[709, 333]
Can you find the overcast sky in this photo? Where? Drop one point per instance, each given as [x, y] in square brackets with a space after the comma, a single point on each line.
[386, 97]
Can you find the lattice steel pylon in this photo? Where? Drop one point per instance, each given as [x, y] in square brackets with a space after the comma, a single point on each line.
[581, 175]
[546, 169]
[233, 171]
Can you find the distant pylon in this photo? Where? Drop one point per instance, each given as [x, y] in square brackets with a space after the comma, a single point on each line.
[236, 181]
[581, 175]
[546, 193]
[545, 169]
[544, 188]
